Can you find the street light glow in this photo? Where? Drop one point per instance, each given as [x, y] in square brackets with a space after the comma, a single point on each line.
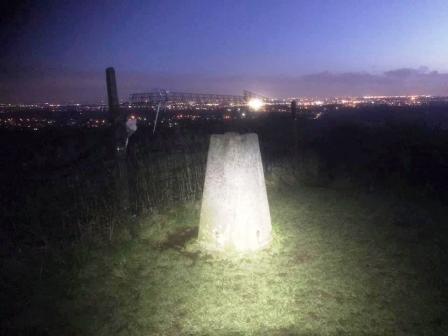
[255, 104]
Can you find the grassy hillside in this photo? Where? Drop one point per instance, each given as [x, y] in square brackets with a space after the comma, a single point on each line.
[340, 263]
[360, 237]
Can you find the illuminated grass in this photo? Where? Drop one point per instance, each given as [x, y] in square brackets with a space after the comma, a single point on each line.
[338, 265]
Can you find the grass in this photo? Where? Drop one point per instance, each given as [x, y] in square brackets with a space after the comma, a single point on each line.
[340, 263]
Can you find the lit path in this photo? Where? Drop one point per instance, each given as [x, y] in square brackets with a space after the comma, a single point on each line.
[339, 263]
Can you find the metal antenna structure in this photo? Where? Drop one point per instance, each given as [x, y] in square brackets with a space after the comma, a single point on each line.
[161, 100]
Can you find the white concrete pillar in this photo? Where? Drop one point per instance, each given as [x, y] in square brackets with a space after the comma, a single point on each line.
[235, 210]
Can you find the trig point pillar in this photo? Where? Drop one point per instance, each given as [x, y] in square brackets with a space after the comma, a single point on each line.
[235, 211]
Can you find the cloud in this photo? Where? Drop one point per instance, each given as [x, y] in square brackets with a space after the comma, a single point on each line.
[61, 85]
[394, 82]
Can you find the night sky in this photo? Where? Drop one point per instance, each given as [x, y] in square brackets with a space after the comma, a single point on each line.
[56, 51]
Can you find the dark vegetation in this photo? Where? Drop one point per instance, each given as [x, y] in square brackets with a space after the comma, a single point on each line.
[60, 208]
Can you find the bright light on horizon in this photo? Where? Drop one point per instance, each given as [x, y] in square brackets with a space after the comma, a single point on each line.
[255, 104]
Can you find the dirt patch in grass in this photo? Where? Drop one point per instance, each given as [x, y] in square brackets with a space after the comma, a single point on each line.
[303, 258]
[178, 239]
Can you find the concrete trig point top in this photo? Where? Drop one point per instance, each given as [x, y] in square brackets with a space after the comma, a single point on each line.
[235, 210]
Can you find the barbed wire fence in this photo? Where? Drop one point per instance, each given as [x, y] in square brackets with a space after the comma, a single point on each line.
[78, 201]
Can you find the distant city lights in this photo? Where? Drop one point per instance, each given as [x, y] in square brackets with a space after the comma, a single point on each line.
[36, 117]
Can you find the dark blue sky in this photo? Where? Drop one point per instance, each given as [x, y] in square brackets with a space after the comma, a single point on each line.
[57, 50]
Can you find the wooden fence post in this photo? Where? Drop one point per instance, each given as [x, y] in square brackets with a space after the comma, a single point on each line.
[118, 120]
[295, 131]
